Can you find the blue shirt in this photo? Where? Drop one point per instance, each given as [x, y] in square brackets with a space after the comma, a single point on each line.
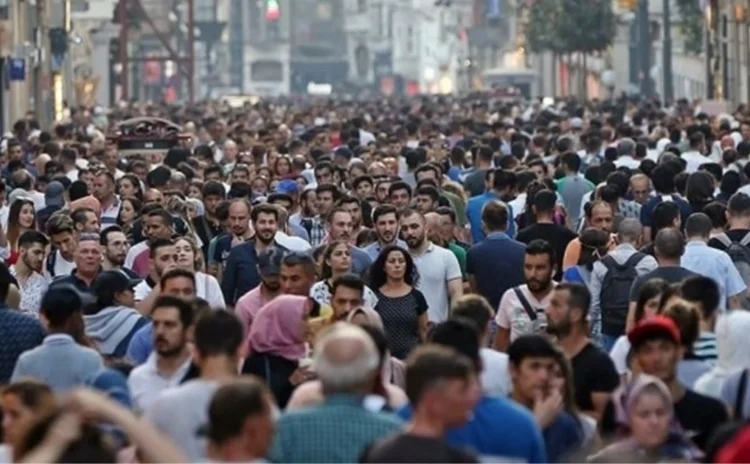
[241, 271]
[498, 428]
[18, 333]
[562, 437]
[647, 211]
[374, 249]
[361, 261]
[714, 264]
[141, 344]
[474, 215]
[497, 265]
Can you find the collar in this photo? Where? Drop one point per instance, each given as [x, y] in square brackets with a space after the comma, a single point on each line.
[626, 246]
[497, 236]
[344, 399]
[179, 373]
[696, 242]
[58, 339]
[429, 249]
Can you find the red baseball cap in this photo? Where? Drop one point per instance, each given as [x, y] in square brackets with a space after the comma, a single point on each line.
[654, 325]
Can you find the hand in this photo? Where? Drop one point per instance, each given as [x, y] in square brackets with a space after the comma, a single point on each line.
[301, 375]
[546, 409]
[64, 430]
[92, 405]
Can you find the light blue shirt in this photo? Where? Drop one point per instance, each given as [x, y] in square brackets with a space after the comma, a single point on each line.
[374, 249]
[715, 264]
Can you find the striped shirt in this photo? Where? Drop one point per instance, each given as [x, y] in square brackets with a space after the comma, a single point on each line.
[705, 347]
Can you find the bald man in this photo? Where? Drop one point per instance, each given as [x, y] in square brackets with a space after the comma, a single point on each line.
[640, 188]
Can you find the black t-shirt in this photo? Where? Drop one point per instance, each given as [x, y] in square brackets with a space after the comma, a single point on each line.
[698, 415]
[404, 447]
[672, 274]
[557, 236]
[593, 372]
[735, 235]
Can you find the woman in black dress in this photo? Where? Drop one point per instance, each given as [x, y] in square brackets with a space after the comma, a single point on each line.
[402, 307]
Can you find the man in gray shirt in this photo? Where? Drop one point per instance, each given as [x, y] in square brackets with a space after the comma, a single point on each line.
[182, 411]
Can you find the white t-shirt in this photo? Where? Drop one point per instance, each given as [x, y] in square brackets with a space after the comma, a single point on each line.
[512, 315]
[437, 266]
[619, 354]
[495, 376]
[206, 287]
[61, 267]
[291, 242]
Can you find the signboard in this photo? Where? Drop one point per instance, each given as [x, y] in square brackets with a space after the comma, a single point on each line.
[17, 69]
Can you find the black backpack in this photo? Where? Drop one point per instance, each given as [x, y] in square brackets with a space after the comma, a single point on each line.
[615, 295]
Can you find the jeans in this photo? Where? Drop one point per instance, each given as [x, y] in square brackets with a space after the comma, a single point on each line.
[608, 342]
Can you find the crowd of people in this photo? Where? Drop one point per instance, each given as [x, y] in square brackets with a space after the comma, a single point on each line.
[428, 280]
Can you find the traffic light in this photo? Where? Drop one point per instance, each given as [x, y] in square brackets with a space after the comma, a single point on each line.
[273, 10]
[629, 5]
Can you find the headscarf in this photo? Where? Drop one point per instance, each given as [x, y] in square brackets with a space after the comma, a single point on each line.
[732, 347]
[373, 318]
[87, 202]
[624, 399]
[276, 328]
[197, 205]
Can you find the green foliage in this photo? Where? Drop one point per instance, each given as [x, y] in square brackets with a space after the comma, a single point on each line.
[691, 25]
[569, 26]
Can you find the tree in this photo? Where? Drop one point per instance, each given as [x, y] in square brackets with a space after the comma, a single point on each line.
[541, 33]
[691, 25]
[587, 25]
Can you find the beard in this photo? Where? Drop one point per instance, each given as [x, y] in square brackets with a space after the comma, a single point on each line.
[536, 285]
[30, 265]
[559, 329]
[265, 236]
[415, 242]
[166, 350]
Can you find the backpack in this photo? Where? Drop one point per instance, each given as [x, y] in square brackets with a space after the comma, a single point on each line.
[740, 255]
[615, 294]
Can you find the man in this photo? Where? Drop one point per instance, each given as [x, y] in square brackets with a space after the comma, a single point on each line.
[163, 258]
[522, 309]
[495, 264]
[346, 362]
[703, 292]
[475, 181]
[498, 430]
[323, 173]
[640, 188]
[695, 157]
[115, 246]
[655, 344]
[474, 308]
[60, 361]
[600, 216]
[85, 221]
[426, 199]
[354, 207]
[308, 218]
[171, 318]
[239, 231]
[502, 185]
[437, 377]
[156, 226]
[573, 186]
[18, 332]
[668, 247]
[611, 279]
[543, 206]
[179, 283]
[399, 194]
[532, 360]
[180, 411]
[208, 226]
[712, 263]
[104, 191]
[240, 422]
[385, 220]
[347, 295]
[626, 154]
[327, 195]
[363, 187]
[594, 373]
[28, 270]
[440, 274]
[663, 178]
[339, 225]
[666, 215]
[737, 237]
[62, 235]
[241, 272]
[269, 268]
[54, 199]
[88, 261]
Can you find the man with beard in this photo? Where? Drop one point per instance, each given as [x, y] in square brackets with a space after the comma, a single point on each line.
[239, 232]
[171, 319]
[385, 220]
[157, 225]
[163, 258]
[28, 270]
[522, 308]
[593, 371]
[440, 274]
[241, 274]
[339, 225]
[115, 248]
[308, 217]
[269, 268]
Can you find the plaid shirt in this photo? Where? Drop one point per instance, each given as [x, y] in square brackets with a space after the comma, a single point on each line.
[338, 430]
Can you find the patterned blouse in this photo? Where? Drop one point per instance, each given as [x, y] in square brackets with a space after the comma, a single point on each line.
[32, 292]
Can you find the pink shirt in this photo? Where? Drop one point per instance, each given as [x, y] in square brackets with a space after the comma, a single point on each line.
[142, 263]
[512, 315]
[248, 306]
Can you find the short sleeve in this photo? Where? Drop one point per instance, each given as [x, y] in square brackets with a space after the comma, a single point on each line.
[421, 302]
[606, 379]
[502, 319]
[735, 283]
[452, 268]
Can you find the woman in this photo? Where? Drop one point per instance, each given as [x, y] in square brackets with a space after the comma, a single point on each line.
[594, 245]
[22, 403]
[648, 304]
[402, 307]
[206, 286]
[645, 411]
[277, 344]
[385, 394]
[282, 168]
[130, 211]
[564, 382]
[128, 186]
[21, 218]
[732, 346]
[336, 261]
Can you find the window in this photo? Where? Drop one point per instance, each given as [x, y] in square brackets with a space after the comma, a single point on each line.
[267, 71]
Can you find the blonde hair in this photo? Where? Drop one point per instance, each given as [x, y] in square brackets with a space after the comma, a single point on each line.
[197, 253]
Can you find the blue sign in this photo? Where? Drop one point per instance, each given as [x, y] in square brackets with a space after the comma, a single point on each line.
[17, 69]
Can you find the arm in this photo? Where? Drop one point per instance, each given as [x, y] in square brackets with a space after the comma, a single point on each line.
[502, 339]
[423, 322]
[595, 288]
[735, 285]
[453, 277]
[455, 289]
[145, 305]
[229, 282]
[502, 320]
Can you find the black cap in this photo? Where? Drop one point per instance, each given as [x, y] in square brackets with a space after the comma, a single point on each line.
[344, 152]
[113, 281]
[63, 300]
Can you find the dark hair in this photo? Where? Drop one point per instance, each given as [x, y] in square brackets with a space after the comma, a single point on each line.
[176, 273]
[133, 179]
[382, 210]
[663, 179]
[399, 185]
[264, 208]
[495, 215]
[717, 212]
[428, 366]
[159, 243]
[542, 247]
[447, 211]
[664, 215]
[579, 296]
[378, 277]
[360, 180]
[460, 335]
[300, 259]
[32, 237]
[163, 214]
[670, 243]
[218, 333]
[544, 201]
[474, 308]
[530, 346]
[703, 291]
[335, 192]
[104, 236]
[739, 205]
[186, 310]
[327, 251]
[232, 405]
[700, 189]
[213, 187]
[650, 289]
[594, 245]
[698, 225]
[429, 191]
[350, 281]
